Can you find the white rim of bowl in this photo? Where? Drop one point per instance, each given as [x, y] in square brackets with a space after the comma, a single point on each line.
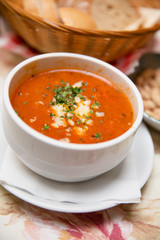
[52, 141]
[147, 116]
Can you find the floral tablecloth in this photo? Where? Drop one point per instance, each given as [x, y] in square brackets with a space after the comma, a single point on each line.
[22, 221]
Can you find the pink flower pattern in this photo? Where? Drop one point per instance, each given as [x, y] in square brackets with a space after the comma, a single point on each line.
[111, 224]
[107, 225]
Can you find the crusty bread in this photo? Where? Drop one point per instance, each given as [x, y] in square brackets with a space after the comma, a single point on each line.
[151, 16]
[76, 18]
[31, 6]
[49, 10]
[145, 3]
[138, 24]
[113, 15]
[46, 9]
[83, 5]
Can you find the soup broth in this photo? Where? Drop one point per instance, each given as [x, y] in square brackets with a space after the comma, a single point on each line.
[73, 106]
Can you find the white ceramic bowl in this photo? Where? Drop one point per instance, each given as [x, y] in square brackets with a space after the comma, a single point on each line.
[54, 159]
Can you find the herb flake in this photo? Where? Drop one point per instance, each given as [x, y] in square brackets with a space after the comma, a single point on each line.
[45, 127]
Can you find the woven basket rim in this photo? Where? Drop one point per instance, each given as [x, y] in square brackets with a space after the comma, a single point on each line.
[96, 33]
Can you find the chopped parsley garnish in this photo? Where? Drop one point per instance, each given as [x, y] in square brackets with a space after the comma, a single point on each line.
[47, 88]
[95, 104]
[63, 82]
[88, 117]
[45, 127]
[78, 122]
[16, 112]
[98, 135]
[52, 114]
[62, 116]
[66, 95]
[85, 121]
[85, 84]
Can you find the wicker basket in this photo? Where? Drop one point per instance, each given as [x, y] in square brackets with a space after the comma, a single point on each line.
[47, 37]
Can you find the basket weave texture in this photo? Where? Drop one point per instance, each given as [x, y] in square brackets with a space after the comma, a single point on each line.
[47, 37]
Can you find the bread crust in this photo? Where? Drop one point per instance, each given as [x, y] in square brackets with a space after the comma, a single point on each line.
[145, 3]
[75, 18]
[31, 6]
[113, 15]
[49, 10]
[107, 15]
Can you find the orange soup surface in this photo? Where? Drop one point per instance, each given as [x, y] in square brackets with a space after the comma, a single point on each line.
[73, 106]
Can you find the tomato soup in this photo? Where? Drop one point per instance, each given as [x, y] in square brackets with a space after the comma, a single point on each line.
[73, 106]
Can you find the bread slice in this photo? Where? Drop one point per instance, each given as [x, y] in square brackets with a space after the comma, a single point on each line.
[138, 24]
[145, 3]
[31, 6]
[46, 9]
[74, 17]
[113, 15]
[83, 5]
[151, 16]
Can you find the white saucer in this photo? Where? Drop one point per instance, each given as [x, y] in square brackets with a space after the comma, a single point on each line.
[143, 152]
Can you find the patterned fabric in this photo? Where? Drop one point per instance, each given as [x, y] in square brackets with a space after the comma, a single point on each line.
[22, 221]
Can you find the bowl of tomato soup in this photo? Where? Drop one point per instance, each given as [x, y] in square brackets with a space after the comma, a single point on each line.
[70, 117]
